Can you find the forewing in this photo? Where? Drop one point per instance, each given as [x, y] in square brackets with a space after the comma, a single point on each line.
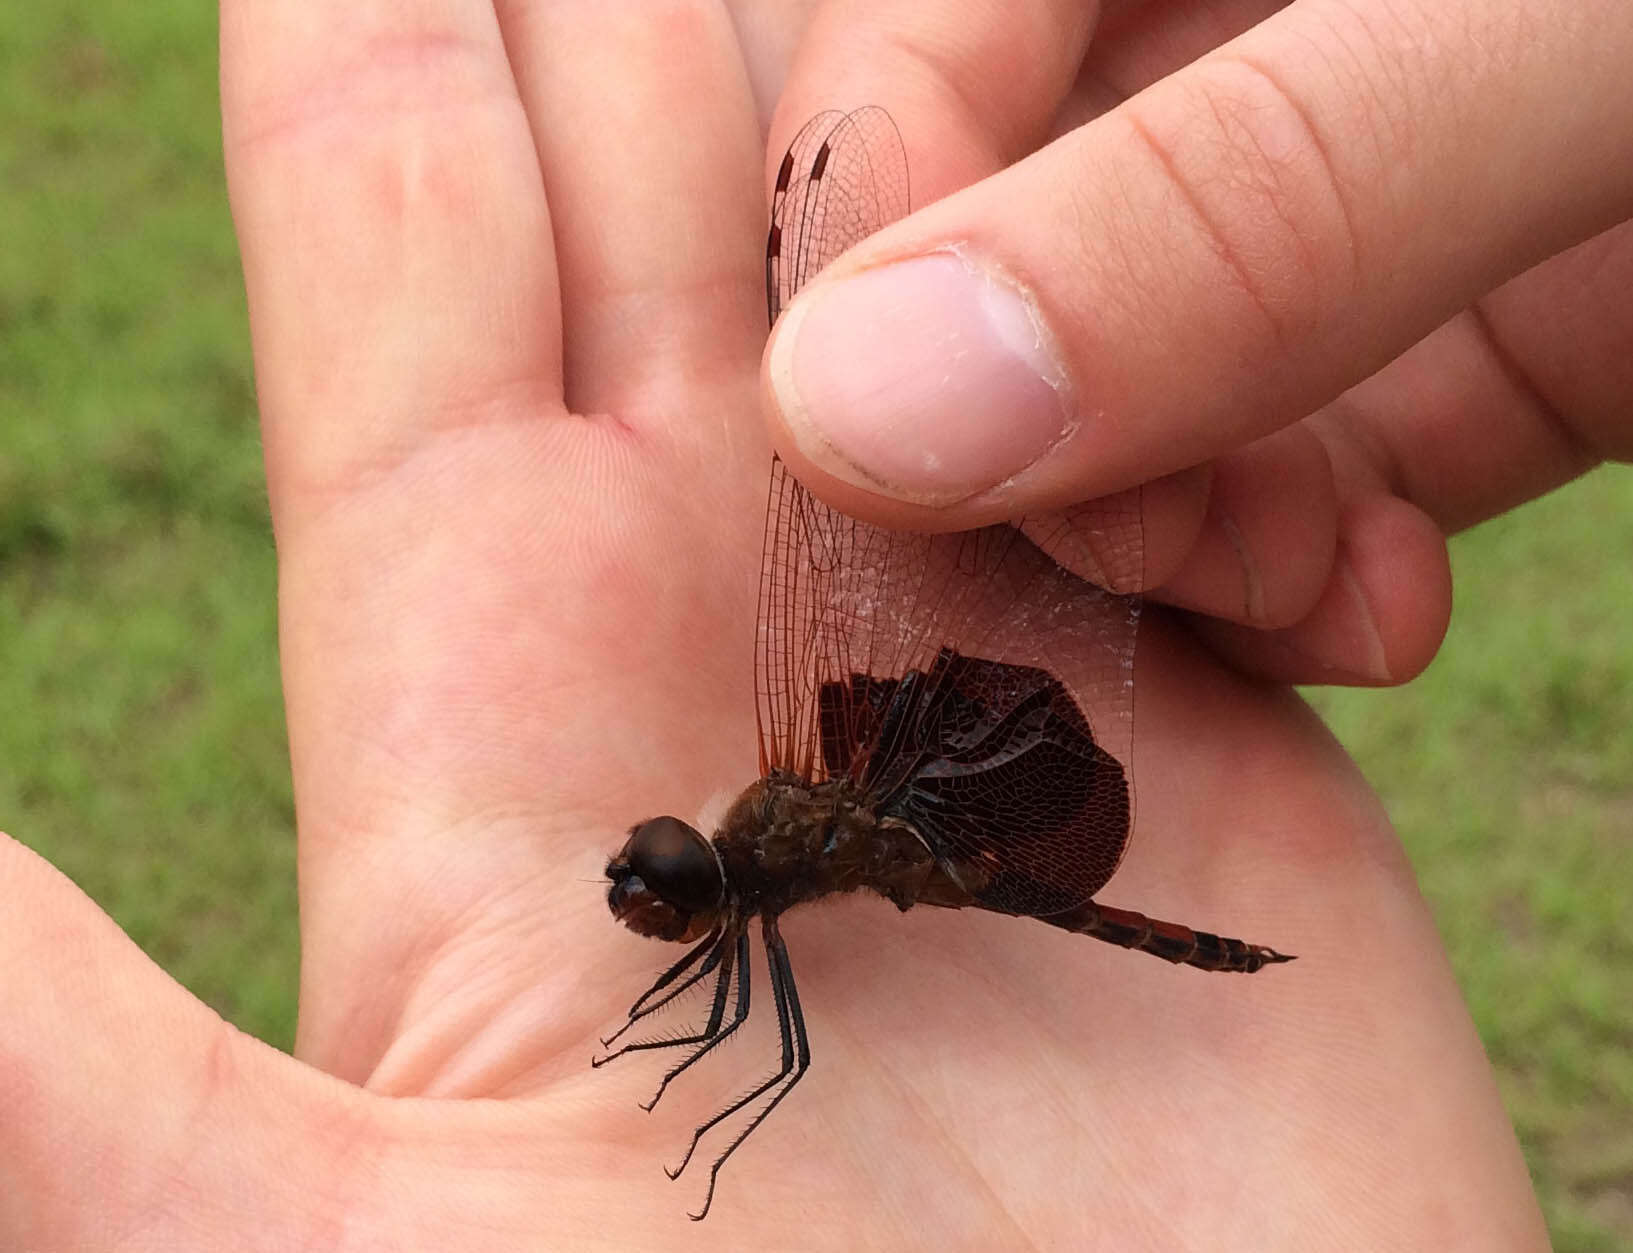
[843, 177]
[846, 608]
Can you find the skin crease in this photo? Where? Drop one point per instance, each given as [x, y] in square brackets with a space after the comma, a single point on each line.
[506, 331]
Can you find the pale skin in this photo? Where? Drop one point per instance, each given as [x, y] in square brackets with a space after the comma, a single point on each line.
[505, 288]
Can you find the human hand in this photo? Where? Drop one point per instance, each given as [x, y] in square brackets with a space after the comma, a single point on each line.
[506, 326]
[1352, 278]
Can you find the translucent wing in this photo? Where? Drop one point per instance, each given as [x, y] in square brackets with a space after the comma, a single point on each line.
[967, 682]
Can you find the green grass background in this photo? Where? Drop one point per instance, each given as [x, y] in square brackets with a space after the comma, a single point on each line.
[141, 732]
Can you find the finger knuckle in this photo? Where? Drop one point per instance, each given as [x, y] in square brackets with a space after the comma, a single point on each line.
[1241, 153]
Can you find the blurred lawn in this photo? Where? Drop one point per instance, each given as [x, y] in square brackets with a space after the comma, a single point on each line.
[141, 735]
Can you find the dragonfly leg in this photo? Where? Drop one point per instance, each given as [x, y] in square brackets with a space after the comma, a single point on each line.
[713, 1034]
[710, 945]
[796, 1060]
[1171, 941]
[705, 945]
[716, 1012]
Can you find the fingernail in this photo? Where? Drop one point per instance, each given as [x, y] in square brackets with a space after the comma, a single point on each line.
[1341, 634]
[929, 380]
[1366, 641]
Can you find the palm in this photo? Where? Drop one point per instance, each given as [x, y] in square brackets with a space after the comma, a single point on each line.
[509, 632]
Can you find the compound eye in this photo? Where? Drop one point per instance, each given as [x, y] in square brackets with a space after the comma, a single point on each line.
[676, 862]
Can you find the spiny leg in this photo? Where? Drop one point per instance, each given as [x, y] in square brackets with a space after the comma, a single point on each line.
[794, 1040]
[779, 997]
[723, 949]
[788, 1015]
[640, 1009]
[713, 1034]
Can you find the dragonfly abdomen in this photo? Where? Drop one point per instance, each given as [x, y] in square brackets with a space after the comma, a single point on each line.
[1171, 941]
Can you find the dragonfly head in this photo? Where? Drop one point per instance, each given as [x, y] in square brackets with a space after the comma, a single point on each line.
[667, 881]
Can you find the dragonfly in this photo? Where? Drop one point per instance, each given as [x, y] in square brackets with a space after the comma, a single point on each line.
[944, 720]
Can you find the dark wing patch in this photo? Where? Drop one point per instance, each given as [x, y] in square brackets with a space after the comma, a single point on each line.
[997, 768]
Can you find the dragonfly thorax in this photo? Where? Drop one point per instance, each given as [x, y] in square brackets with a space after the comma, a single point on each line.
[785, 842]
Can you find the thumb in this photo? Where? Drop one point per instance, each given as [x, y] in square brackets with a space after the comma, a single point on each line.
[1210, 262]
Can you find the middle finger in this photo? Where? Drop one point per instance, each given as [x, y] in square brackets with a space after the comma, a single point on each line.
[646, 134]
